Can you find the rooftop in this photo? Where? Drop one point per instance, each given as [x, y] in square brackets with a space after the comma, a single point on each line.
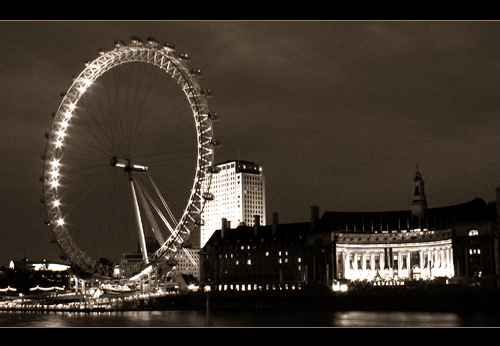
[435, 218]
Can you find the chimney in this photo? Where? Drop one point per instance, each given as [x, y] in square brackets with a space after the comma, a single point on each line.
[256, 225]
[275, 222]
[223, 227]
[314, 216]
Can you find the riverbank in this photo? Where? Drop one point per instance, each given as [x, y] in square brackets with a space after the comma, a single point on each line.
[445, 299]
[448, 298]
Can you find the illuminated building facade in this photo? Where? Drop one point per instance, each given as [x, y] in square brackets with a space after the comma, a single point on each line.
[458, 242]
[240, 193]
[454, 244]
[42, 265]
[414, 255]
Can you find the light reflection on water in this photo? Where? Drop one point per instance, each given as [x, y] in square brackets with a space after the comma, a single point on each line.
[395, 319]
[246, 318]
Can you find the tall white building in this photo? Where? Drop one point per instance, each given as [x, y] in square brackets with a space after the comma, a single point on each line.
[239, 193]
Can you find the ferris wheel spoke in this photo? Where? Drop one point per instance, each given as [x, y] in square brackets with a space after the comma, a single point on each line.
[94, 133]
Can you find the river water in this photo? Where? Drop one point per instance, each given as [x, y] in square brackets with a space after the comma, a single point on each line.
[246, 318]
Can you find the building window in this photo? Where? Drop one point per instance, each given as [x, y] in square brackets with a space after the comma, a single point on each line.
[473, 232]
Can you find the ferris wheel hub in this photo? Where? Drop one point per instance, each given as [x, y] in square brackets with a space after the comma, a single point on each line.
[127, 165]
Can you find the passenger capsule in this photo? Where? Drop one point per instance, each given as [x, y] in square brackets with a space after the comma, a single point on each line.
[187, 245]
[208, 196]
[184, 56]
[169, 46]
[119, 43]
[215, 143]
[196, 73]
[200, 222]
[172, 262]
[213, 116]
[207, 93]
[214, 169]
[152, 41]
[136, 40]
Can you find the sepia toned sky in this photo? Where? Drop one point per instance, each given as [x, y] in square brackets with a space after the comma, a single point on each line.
[338, 113]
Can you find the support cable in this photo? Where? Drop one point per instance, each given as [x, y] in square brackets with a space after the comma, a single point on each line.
[162, 199]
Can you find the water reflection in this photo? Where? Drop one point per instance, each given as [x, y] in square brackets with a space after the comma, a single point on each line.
[247, 318]
[395, 319]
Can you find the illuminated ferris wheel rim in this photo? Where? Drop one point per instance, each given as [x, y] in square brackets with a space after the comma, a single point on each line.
[163, 58]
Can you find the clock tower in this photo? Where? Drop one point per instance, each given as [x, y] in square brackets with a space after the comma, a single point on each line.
[418, 201]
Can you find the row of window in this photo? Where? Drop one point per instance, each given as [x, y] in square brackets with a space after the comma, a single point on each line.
[409, 236]
[252, 278]
[248, 247]
[259, 287]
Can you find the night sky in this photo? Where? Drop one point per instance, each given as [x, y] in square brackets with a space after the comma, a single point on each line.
[338, 113]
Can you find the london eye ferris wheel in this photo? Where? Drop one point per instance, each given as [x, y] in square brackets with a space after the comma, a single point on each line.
[129, 159]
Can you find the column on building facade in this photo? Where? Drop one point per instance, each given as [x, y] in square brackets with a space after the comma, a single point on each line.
[354, 271]
[427, 263]
[348, 266]
[446, 260]
[382, 261]
[452, 269]
[400, 262]
[441, 259]
[345, 262]
[421, 262]
[437, 262]
[432, 262]
[408, 263]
